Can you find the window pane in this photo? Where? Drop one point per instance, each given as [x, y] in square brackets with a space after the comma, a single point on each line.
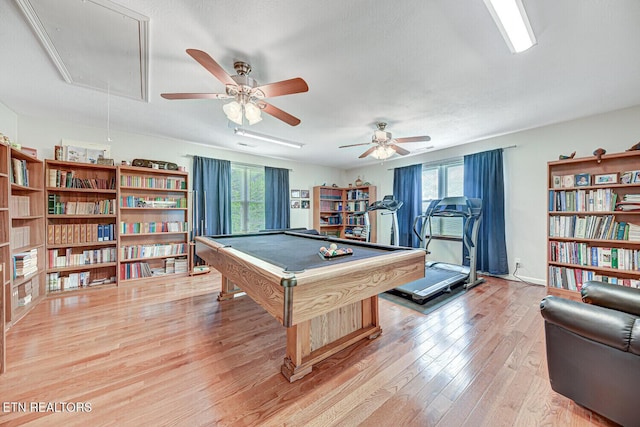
[455, 176]
[247, 198]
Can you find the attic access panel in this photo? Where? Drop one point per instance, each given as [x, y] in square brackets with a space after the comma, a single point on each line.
[94, 43]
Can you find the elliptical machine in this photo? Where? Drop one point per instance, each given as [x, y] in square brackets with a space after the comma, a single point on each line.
[441, 276]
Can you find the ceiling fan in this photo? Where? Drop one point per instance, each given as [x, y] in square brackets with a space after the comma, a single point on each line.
[247, 97]
[384, 145]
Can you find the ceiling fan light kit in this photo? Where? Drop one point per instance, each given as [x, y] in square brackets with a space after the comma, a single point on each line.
[382, 152]
[385, 145]
[247, 97]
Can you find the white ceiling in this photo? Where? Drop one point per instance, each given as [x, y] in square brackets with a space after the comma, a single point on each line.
[438, 68]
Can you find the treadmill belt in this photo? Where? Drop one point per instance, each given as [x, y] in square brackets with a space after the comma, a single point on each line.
[435, 280]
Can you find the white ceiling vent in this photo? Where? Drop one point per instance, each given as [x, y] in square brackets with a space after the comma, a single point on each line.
[94, 43]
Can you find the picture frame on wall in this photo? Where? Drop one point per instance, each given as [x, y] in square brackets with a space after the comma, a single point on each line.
[295, 194]
[609, 178]
[305, 204]
[295, 204]
[304, 194]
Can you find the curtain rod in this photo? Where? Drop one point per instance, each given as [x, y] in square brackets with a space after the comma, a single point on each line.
[451, 159]
[240, 163]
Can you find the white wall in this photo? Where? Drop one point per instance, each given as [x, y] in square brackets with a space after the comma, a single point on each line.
[525, 179]
[44, 134]
[525, 169]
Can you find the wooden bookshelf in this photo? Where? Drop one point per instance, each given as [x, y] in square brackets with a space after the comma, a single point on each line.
[588, 230]
[154, 224]
[26, 221]
[339, 211]
[81, 225]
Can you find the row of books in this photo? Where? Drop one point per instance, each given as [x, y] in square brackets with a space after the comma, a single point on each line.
[157, 202]
[598, 200]
[574, 278]
[19, 172]
[20, 205]
[173, 266]
[101, 207]
[79, 233]
[57, 282]
[25, 263]
[154, 227]
[66, 257]
[20, 237]
[357, 194]
[357, 206]
[135, 270]
[153, 182]
[593, 227]
[630, 202]
[155, 250]
[327, 206]
[330, 220]
[355, 220]
[595, 256]
[68, 179]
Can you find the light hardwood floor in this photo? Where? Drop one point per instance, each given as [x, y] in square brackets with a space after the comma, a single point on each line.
[173, 355]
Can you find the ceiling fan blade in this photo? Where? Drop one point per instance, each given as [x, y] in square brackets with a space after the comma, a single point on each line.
[285, 87]
[413, 139]
[354, 145]
[212, 66]
[399, 150]
[279, 114]
[195, 96]
[366, 153]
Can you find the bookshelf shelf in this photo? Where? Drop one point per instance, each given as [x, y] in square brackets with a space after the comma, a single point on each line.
[151, 199]
[81, 213]
[593, 230]
[24, 257]
[337, 211]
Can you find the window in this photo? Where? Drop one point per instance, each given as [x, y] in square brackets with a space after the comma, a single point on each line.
[439, 181]
[247, 198]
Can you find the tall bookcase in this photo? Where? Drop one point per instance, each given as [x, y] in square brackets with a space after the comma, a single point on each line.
[593, 222]
[81, 225]
[340, 211]
[26, 238]
[5, 282]
[154, 223]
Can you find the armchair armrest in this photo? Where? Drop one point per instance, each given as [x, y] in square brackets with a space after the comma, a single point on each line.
[609, 327]
[615, 297]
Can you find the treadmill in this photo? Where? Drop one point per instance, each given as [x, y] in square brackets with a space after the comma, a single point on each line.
[441, 276]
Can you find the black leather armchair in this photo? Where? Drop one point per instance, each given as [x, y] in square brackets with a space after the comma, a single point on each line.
[593, 349]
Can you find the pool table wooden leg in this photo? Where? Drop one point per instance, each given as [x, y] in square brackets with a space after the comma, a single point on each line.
[228, 289]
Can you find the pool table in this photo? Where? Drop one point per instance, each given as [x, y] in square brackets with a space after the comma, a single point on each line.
[326, 305]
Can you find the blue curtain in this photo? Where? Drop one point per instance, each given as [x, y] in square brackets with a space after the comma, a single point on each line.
[407, 188]
[276, 194]
[484, 179]
[212, 196]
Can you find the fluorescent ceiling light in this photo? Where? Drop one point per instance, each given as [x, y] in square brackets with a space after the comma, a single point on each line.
[275, 140]
[512, 20]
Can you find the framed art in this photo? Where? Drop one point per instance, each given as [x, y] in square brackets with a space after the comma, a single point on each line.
[557, 181]
[295, 204]
[610, 178]
[636, 177]
[304, 194]
[627, 177]
[295, 194]
[304, 204]
[568, 181]
[583, 179]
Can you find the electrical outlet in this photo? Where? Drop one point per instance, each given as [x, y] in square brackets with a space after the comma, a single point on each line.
[518, 262]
